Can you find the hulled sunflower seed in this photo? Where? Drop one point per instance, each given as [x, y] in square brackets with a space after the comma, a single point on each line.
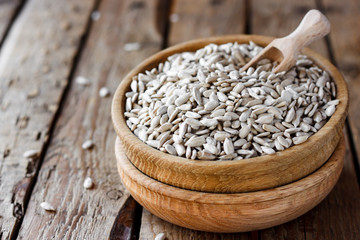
[202, 100]
[88, 183]
[47, 206]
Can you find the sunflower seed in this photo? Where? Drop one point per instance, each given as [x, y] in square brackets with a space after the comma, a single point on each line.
[31, 154]
[88, 144]
[195, 141]
[300, 139]
[88, 183]
[47, 206]
[160, 236]
[104, 92]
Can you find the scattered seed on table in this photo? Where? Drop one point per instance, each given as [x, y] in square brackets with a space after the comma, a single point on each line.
[95, 15]
[174, 17]
[88, 183]
[132, 46]
[47, 206]
[33, 92]
[82, 81]
[31, 154]
[88, 144]
[104, 92]
[160, 236]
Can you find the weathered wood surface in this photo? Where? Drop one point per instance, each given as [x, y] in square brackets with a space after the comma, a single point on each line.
[8, 10]
[205, 18]
[81, 213]
[36, 55]
[39, 51]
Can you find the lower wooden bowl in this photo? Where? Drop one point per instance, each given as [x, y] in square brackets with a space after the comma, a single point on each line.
[240, 212]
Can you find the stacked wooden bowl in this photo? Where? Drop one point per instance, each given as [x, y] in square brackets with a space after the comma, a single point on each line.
[231, 196]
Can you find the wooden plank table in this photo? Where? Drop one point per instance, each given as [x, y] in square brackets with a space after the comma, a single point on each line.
[46, 45]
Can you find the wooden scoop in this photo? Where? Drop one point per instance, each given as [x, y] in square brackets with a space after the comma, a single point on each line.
[284, 50]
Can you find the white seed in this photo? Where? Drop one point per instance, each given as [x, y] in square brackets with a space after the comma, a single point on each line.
[265, 118]
[165, 127]
[209, 122]
[195, 141]
[283, 141]
[153, 143]
[244, 131]
[160, 236]
[192, 115]
[88, 183]
[47, 206]
[170, 149]
[132, 46]
[193, 123]
[305, 127]
[182, 99]
[211, 105]
[245, 115]
[221, 136]
[300, 139]
[31, 153]
[33, 92]
[330, 110]
[180, 149]
[239, 142]
[82, 81]
[290, 115]
[104, 92]
[270, 128]
[228, 146]
[210, 148]
[88, 144]
[267, 150]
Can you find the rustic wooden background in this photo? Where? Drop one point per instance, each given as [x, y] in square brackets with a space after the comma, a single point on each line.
[46, 44]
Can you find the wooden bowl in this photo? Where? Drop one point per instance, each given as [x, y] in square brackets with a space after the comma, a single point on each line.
[237, 212]
[231, 176]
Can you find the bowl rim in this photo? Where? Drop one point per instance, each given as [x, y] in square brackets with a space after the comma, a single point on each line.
[119, 122]
[334, 164]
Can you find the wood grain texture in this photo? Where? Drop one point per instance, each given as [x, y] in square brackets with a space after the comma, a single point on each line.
[153, 225]
[8, 9]
[205, 18]
[81, 213]
[238, 212]
[344, 39]
[231, 176]
[37, 54]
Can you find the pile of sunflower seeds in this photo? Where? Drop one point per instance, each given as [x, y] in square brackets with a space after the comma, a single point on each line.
[200, 105]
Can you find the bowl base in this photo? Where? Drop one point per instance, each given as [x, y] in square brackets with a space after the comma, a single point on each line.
[237, 212]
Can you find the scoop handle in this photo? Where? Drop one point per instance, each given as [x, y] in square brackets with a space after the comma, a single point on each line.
[313, 26]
